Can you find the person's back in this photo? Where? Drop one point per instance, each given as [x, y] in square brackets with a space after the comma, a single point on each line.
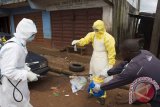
[150, 65]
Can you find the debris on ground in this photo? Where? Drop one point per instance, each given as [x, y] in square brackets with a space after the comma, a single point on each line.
[55, 91]
[67, 95]
[41, 96]
[76, 93]
[78, 83]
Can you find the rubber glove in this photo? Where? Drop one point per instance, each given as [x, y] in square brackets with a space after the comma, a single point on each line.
[32, 76]
[27, 68]
[95, 87]
[74, 42]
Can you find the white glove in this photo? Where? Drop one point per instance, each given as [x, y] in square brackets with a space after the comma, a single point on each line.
[32, 76]
[27, 68]
[97, 88]
[74, 42]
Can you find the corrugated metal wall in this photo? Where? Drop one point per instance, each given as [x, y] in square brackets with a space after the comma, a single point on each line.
[37, 18]
[68, 25]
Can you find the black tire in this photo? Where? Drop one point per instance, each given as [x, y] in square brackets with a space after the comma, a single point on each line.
[76, 67]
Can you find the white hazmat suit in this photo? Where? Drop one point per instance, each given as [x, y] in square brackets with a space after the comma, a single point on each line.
[13, 67]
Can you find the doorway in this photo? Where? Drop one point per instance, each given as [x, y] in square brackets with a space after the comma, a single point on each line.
[4, 24]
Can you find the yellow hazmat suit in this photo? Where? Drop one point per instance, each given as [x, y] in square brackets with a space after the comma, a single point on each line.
[103, 57]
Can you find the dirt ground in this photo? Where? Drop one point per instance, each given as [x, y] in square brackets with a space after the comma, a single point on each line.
[61, 60]
[43, 96]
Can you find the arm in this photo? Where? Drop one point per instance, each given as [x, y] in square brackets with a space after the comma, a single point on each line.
[125, 77]
[10, 61]
[117, 69]
[110, 48]
[86, 40]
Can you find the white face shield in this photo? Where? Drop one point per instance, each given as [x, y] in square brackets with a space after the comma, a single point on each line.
[31, 38]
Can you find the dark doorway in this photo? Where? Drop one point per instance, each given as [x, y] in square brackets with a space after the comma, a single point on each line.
[144, 27]
[4, 24]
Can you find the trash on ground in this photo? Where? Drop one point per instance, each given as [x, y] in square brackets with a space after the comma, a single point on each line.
[56, 94]
[78, 83]
[54, 88]
[75, 47]
[55, 91]
[67, 95]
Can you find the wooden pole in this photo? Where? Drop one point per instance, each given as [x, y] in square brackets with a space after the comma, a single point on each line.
[156, 32]
[138, 6]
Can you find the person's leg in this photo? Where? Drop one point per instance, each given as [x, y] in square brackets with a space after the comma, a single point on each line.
[90, 94]
[102, 99]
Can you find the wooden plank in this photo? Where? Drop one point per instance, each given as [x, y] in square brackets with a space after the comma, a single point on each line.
[156, 32]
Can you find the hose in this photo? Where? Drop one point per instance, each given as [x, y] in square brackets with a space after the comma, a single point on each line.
[15, 88]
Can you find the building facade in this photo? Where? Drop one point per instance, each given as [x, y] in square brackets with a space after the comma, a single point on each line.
[61, 21]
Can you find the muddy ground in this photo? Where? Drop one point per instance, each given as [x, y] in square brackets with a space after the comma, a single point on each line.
[43, 96]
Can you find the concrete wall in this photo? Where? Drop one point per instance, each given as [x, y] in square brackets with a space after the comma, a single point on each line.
[107, 17]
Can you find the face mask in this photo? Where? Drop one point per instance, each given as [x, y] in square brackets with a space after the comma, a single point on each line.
[95, 30]
[31, 38]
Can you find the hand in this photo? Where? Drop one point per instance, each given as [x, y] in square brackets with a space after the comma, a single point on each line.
[32, 76]
[27, 68]
[96, 88]
[74, 42]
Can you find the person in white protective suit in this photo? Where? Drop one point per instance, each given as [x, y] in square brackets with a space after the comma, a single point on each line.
[103, 57]
[15, 73]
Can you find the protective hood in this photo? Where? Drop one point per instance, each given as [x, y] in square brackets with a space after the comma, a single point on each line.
[100, 26]
[25, 29]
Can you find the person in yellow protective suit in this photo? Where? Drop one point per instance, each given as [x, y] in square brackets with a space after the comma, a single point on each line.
[103, 57]
[4, 39]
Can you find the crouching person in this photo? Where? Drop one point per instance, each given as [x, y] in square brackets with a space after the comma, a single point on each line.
[139, 66]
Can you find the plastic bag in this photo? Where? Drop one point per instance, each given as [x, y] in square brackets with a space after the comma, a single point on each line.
[75, 47]
[78, 83]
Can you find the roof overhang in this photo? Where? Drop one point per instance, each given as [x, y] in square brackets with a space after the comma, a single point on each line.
[51, 5]
[143, 15]
[4, 12]
[22, 3]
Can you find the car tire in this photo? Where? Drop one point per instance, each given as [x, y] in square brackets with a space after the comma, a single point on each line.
[76, 67]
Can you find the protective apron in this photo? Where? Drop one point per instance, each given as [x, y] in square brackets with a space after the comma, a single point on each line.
[99, 60]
